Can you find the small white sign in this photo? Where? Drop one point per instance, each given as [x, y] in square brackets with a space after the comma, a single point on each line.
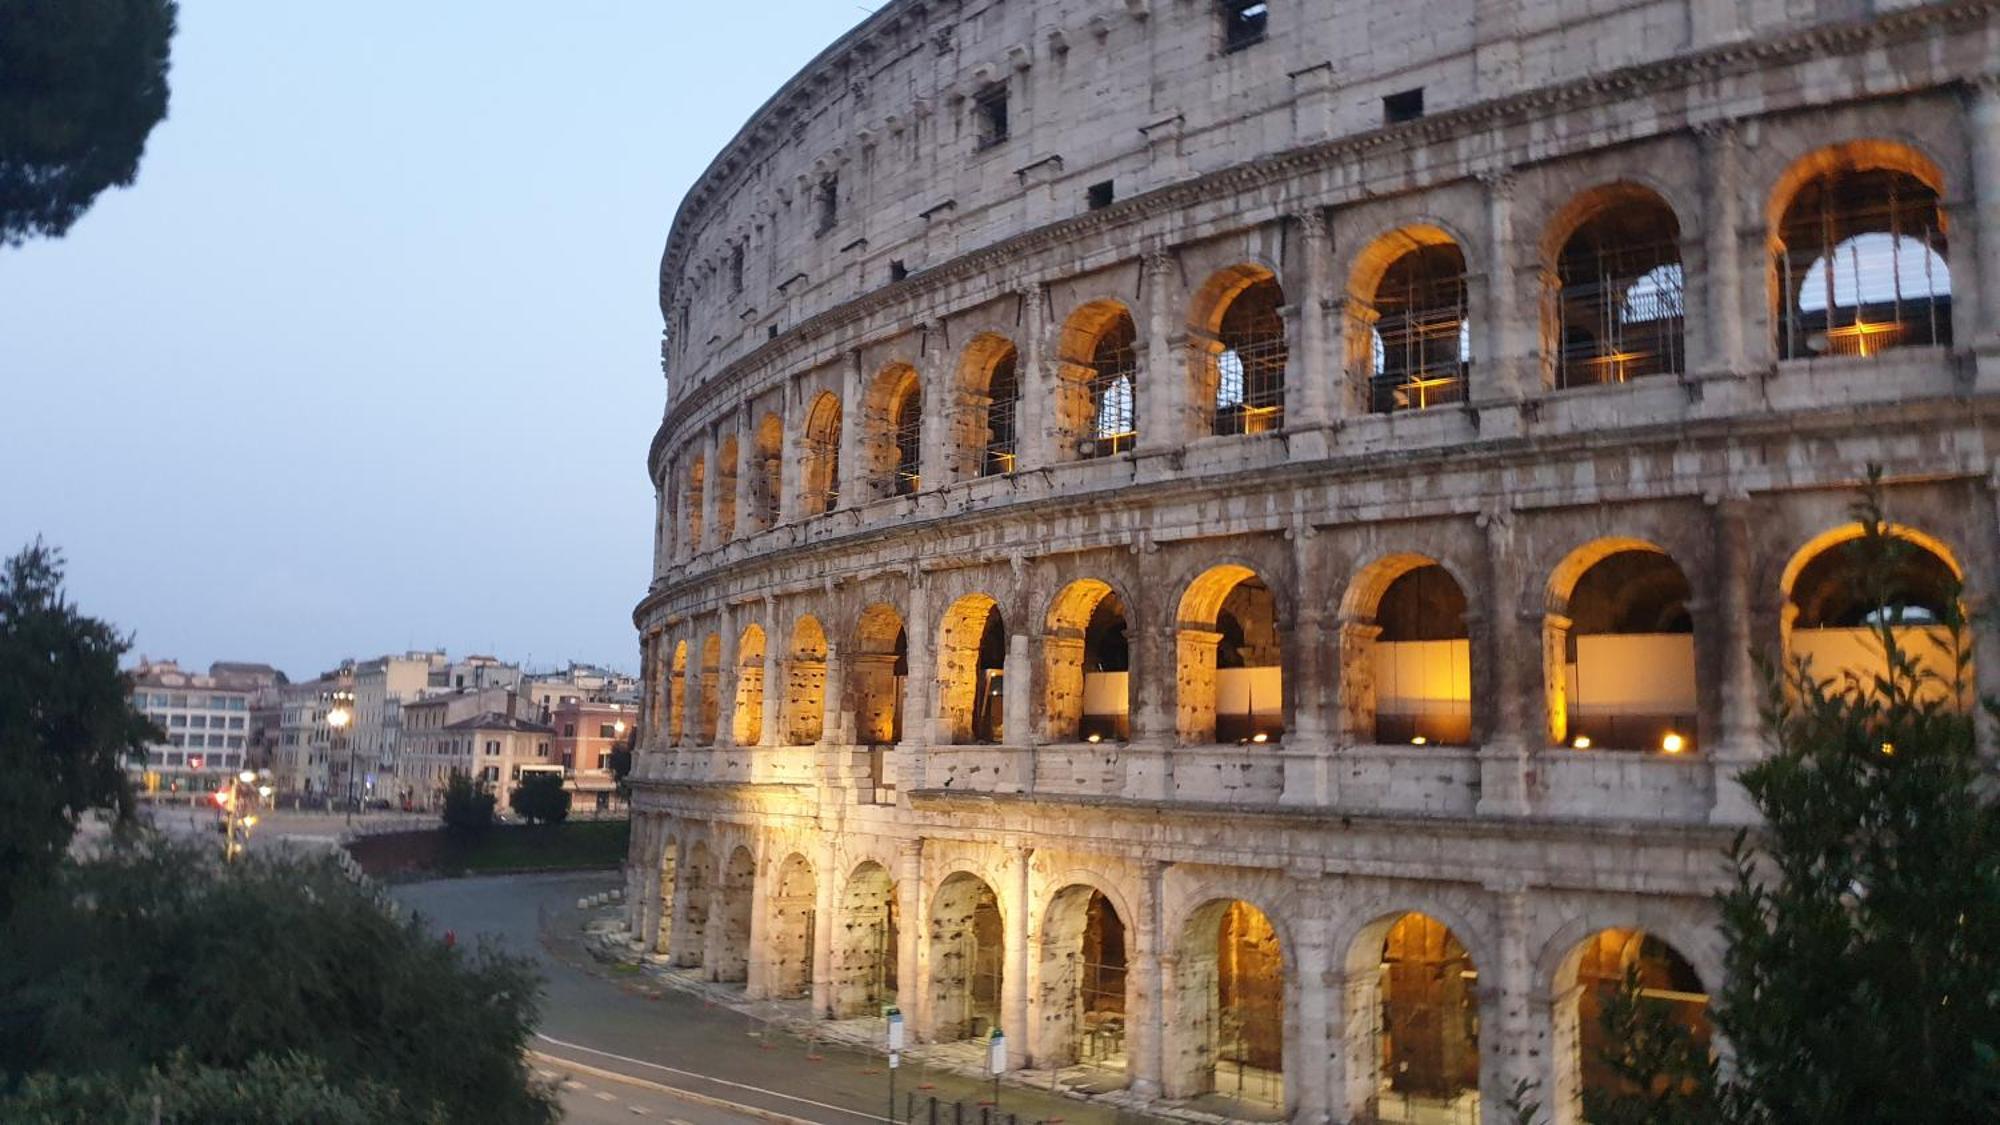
[895, 1030]
[895, 1059]
[997, 1063]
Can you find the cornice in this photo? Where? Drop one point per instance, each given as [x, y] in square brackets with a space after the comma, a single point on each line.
[1678, 72]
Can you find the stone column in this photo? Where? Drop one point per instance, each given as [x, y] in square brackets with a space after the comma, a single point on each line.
[918, 685]
[1018, 679]
[790, 418]
[1149, 631]
[1310, 1024]
[663, 537]
[1162, 398]
[1497, 352]
[756, 959]
[833, 726]
[1721, 282]
[1514, 1054]
[1014, 978]
[1034, 421]
[1508, 648]
[1145, 987]
[749, 467]
[1983, 125]
[1311, 685]
[825, 895]
[774, 678]
[711, 492]
[1740, 726]
[725, 678]
[1309, 370]
[854, 483]
[912, 966]
[938, 386]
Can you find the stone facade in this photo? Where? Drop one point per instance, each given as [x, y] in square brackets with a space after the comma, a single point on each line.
[1290, 498]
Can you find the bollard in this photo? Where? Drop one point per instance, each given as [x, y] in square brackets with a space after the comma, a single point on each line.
[958, 1113]
[933, 1120]
[986, 1115]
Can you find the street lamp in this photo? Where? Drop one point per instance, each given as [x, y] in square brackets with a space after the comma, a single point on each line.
[338, 717]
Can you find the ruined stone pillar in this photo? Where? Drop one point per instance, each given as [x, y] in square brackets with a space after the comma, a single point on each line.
[1310, 1023]
[757, 958]
[1309, 372]
[711, 492]
[854, 483]
[1498, 350]
[825, 894]
[663, 536]
[937, 385]
[790, 418]
[833, 697]
[1014, 978]
[1017, 678]
[1508, 649]
[1740, 725]
[1034, 423]
[1983, 126]
[912, 963]
[749, 467]
[1194, 685]
[1514, 1054]
[725, 678]
[1162, 398]
[1721, 282]
[1145, 988]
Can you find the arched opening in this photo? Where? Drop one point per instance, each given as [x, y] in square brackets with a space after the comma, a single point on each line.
[711, 690]
[967, 956]
[1239, 327]
[1082, 981]
[892, 449]
[1097, 403]
[725, 490]
[731, 962]
[677, 694]
[1228, 1004]
[1087, 665]
[1834, 609]
[805, 684]
[1590, 980]
[819, 460]
[864, 950]
[747, 722]
[1231, 683]
[1860, 256]
[993, 393]
[792, 922]
[1418, 1001]
[696, 479]
[769, 483]
[1625, 640]
[877, 671]
[1406, 655]
[972, 660]
[1620, 312]
[1412, 340]
[663, 938]
[690, 945]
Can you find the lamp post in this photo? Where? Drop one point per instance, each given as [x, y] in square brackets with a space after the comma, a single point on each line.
[341, 714]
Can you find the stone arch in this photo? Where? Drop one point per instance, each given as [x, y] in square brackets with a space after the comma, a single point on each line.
[1860, 262]
[697, 478]
[877, 669]
[865, 943]
[729, 957]
[1086, 664]
[1614, 287]
[1227, 990]
[1827, 619]
[967, 958]
[1229, 678]
[1237, 333]
[986, 431]
[747, 718]
[1406, 654]
[726, 469]
[768, 483]
[892, 433]
[1412, 1014]
[805, 683]
[1097, 385]
[711, 690]
[696, 884]
[1409, 331]
[794, 903]
[1619, 649]
[1083, 983]
[677, 693]
[819, 456]
[971, 663]
[1591, 971]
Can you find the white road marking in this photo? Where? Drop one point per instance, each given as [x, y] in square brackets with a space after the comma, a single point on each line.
[606, 1096]
[840, 1109]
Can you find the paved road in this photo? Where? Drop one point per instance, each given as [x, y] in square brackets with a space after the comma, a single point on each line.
[676, 1039]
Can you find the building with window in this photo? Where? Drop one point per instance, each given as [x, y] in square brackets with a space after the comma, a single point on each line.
[496, 750]
[206, 719]
[1241, 569]
[586, 733]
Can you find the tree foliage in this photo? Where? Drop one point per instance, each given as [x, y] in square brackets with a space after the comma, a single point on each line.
[468, 805]
[1664, 1074]
[1863, 971]
[82, 84]
[287, 1090]
[156, 958]
[67, 726]
[541, 798]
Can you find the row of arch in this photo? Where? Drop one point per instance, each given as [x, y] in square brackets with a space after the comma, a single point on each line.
[1412, 1016]
[1859, 264]
[1619, 646]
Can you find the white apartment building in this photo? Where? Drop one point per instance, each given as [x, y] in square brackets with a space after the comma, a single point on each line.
[206, 723]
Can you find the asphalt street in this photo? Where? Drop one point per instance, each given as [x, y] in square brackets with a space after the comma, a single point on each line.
[677, 1041]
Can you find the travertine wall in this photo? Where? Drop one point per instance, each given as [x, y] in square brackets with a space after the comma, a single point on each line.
[1268, 159]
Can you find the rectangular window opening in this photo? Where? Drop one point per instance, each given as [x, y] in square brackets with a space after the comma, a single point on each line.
[827, 200]
[1406, 106]
[1243, 23]
[990, 109]
[897, 271]
[736, 269]
[1099, 195]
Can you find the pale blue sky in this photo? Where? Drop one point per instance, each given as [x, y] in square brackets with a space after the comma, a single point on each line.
[369, 356]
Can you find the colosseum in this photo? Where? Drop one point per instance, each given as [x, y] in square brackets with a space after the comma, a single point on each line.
[1229, 541]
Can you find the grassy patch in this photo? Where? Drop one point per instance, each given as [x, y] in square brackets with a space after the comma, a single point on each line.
[577, 845]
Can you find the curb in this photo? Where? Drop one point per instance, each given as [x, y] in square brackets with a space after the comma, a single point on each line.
[707, 1100]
